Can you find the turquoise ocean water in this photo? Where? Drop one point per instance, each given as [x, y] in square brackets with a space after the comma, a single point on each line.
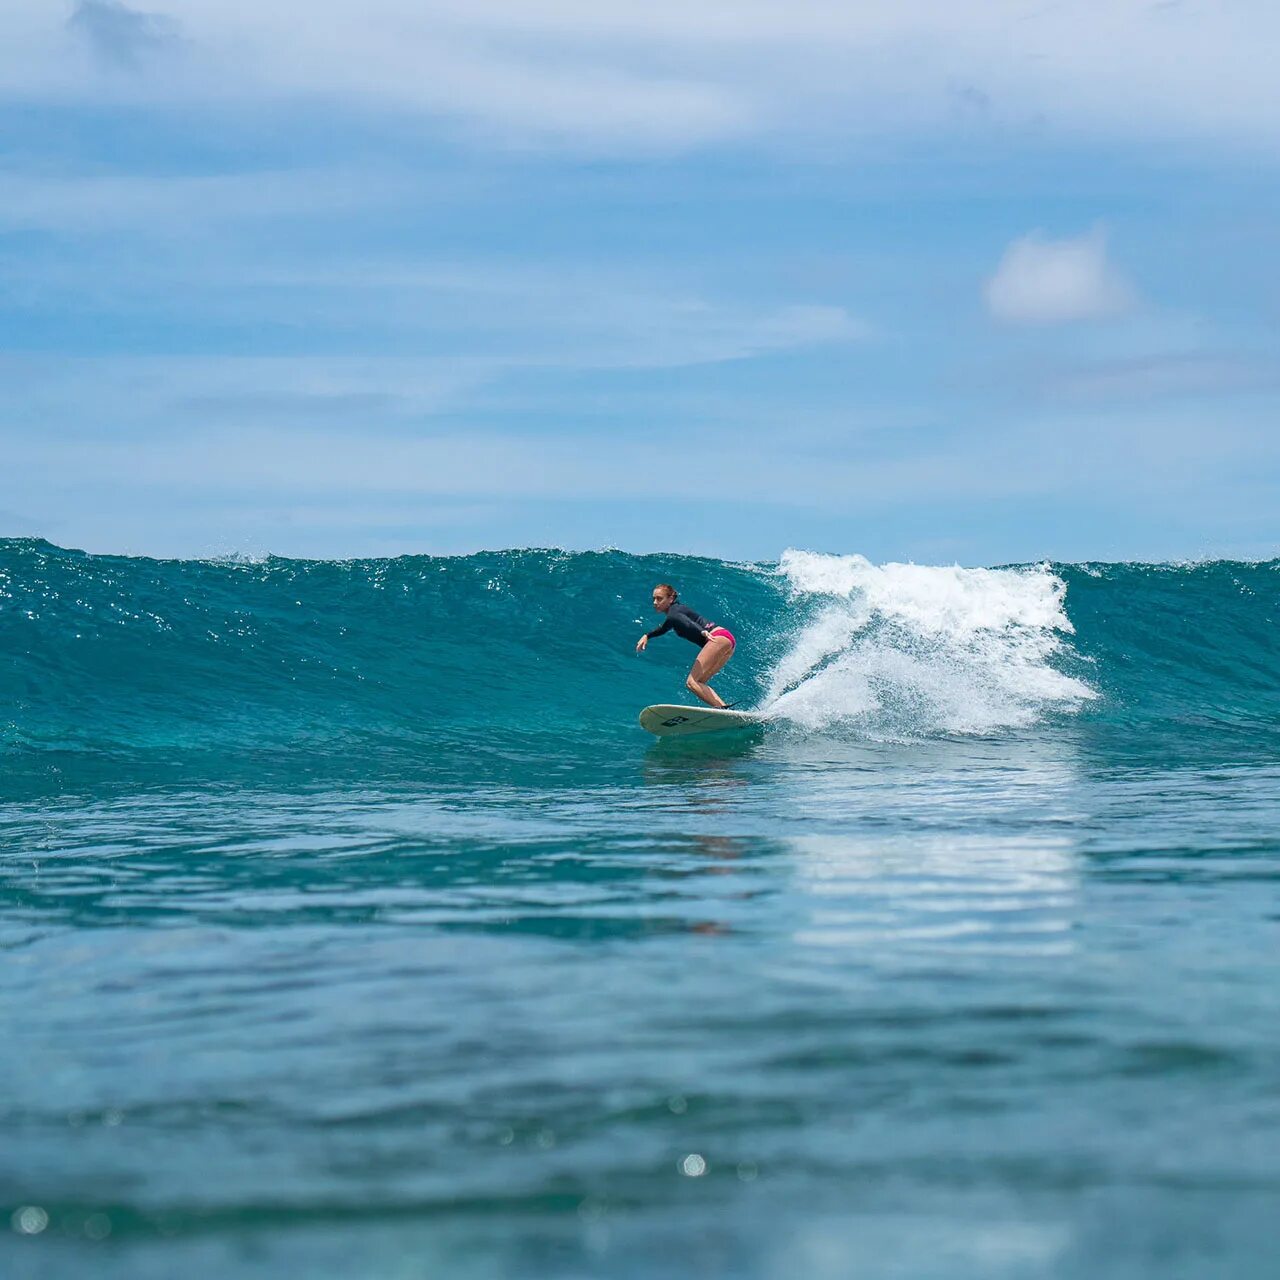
[352, 927]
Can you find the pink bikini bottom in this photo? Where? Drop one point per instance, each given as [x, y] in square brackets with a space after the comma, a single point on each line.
[726, 633]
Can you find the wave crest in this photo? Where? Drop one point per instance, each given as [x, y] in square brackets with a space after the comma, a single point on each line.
[906, 649]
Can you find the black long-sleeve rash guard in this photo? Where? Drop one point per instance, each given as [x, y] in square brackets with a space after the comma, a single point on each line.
[685, 623]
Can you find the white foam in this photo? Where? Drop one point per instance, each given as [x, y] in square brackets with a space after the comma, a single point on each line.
[905, 649]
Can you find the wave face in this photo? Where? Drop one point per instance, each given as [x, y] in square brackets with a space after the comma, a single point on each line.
[430, 662]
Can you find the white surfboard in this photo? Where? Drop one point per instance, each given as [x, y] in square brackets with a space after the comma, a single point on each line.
[671, 721]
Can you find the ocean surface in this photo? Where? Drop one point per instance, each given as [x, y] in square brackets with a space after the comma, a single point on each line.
[351, 926]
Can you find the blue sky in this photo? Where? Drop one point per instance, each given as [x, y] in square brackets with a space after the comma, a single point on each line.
[932, 281]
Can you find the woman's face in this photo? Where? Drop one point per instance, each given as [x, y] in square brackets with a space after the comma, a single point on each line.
[662, 599]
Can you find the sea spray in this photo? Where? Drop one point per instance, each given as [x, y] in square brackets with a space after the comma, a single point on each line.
[905, 649]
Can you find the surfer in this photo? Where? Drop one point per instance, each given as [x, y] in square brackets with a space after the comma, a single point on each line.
[715, 642]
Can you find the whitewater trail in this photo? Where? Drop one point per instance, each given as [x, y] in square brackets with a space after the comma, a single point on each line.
[905, 649]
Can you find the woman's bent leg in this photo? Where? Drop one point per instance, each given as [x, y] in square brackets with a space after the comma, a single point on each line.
[715, 653]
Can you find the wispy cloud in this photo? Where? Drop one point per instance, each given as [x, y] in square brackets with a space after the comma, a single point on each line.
[319, 488]
[477, 316]
[177, 204]
[140, 398]
[13, 524]
[1165, 376]
[1059, 455]
[1043, 281]
[666, 75]
[120, 36]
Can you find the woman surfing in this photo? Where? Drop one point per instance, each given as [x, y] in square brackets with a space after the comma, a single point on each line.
[715, 642]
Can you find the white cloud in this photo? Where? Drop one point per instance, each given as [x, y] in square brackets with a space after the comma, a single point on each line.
[666, 74]
[1175, 454]
[311, 489]
[177, 204]
[525, 323]
[1174, 376]
[121, 36]
[478, 465]
[1042, 281]
[477, 319]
